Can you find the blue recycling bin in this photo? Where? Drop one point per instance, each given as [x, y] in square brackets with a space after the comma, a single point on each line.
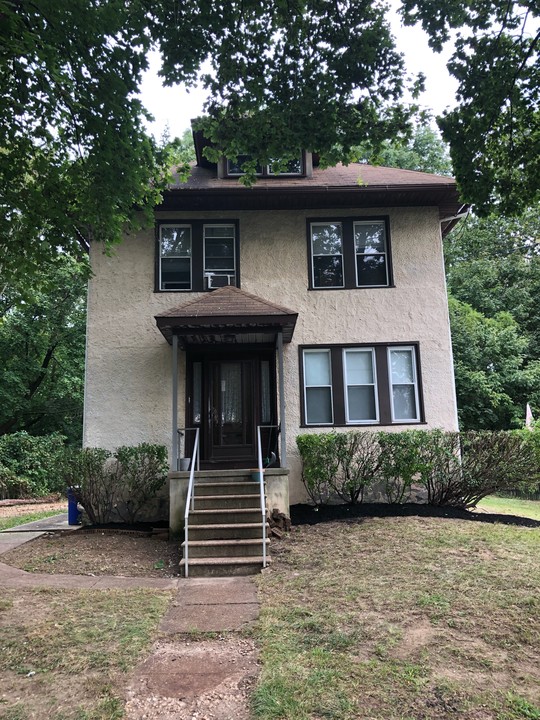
[73, 509]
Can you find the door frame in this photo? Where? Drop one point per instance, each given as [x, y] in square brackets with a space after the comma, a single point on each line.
[226, 353]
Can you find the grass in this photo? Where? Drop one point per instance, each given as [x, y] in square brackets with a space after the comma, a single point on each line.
[512, 506]
[401, 619]
[64, 653]
[14, 520]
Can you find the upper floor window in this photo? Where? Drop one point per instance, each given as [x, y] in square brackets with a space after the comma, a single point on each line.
[196, 256]
[292, 167]
[349, 253]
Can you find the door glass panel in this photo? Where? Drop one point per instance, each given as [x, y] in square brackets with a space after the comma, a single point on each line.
[266, 415]
[231, 393]
[197, 393]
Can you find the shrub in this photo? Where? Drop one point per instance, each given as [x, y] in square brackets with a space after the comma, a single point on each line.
[320, 463]
[12, 486]
[400, 462]
[93, 479]
[34, 459]
[140, 472]
[358, 465]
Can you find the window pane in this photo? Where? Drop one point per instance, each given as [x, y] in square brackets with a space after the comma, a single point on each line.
[401, 365]
[318, 405]
[358, 368]
[404, 402]
[317, 368]
[371, 270]
[328, 271]
[235, 168]
[361, 403]
[293, 167]
[370, 237]
[175, 241]
[326, 239]
[219, 231]
[175, 274]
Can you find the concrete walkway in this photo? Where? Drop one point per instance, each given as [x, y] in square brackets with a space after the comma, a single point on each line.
[202, 604]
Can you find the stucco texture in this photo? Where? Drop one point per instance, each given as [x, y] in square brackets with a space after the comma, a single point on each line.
[128, 374]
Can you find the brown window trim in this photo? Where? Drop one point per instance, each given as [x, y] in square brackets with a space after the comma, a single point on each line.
[197, 238]
[383, 384]
[349, 255]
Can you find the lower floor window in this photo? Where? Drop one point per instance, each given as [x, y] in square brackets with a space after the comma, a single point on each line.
[360, 385]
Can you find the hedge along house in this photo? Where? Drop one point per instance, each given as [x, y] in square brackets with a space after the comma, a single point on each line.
[314, 300]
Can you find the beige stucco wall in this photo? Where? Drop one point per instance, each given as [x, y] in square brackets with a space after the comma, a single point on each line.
[128, 376]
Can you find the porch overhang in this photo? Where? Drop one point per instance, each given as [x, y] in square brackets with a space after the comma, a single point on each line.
[227, 316]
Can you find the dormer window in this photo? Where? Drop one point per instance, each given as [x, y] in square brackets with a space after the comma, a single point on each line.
[293, 167]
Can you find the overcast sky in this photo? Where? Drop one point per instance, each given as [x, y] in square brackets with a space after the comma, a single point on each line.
[175, 107]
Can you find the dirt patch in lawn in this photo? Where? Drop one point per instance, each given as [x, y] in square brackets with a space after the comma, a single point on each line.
[98, 553]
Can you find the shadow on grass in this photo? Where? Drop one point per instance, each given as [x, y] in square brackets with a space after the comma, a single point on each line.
[304, 514]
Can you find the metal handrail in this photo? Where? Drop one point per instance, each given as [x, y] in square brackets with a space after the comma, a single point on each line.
[190, 499]
[181, 433]
[261, 486]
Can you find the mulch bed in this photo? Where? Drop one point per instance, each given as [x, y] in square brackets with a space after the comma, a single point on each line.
[304, 514]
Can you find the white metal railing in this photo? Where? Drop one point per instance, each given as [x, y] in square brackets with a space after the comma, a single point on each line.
[190, 499]
[261, 485]
[182, 434]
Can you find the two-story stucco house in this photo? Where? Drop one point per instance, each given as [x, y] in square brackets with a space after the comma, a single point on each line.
[313, 300]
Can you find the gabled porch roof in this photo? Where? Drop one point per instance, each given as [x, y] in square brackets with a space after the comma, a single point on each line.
[227, 315]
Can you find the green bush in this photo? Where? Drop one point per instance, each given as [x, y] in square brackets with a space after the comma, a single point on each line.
[320, 461]
[400, 462]
[34, 460]
[140, 471]
[91, 476]
[114, 486]
[12, 486]
[456, 469]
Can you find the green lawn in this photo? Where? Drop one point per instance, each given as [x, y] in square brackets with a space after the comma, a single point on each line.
[512, 506]
[14, 520]
[401, 619]
[66, 653]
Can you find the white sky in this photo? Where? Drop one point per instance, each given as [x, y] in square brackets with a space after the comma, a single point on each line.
[175, 107]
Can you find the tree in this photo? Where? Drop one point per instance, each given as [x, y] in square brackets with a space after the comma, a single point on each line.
[424, 151]
[42, 353]
[494, 265]
[492, 381]
[494, 132]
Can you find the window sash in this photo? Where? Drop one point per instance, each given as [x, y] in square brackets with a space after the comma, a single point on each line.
[219, 268]
[165, 258]
[370, 352]
[318, 386]
[375, 254]
[336, 256]
[410, 385]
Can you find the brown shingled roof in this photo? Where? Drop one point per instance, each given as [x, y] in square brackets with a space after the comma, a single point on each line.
[227, 310]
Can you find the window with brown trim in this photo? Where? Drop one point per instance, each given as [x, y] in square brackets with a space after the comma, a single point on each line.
[360, 385]
[349, 253]
[294, 167]
[196, 255]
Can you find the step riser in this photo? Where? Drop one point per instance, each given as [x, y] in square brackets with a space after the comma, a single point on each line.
[224, 518]
[236, 533]
[223, 570]
[227, 502]
[225, 551]
[227, 488]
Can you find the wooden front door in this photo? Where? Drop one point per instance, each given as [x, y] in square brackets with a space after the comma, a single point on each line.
[229, 395]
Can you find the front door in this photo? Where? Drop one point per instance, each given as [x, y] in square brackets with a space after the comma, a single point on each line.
[232, 411]
[230, 393]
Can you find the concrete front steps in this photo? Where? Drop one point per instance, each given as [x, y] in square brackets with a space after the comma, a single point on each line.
[225, 527]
